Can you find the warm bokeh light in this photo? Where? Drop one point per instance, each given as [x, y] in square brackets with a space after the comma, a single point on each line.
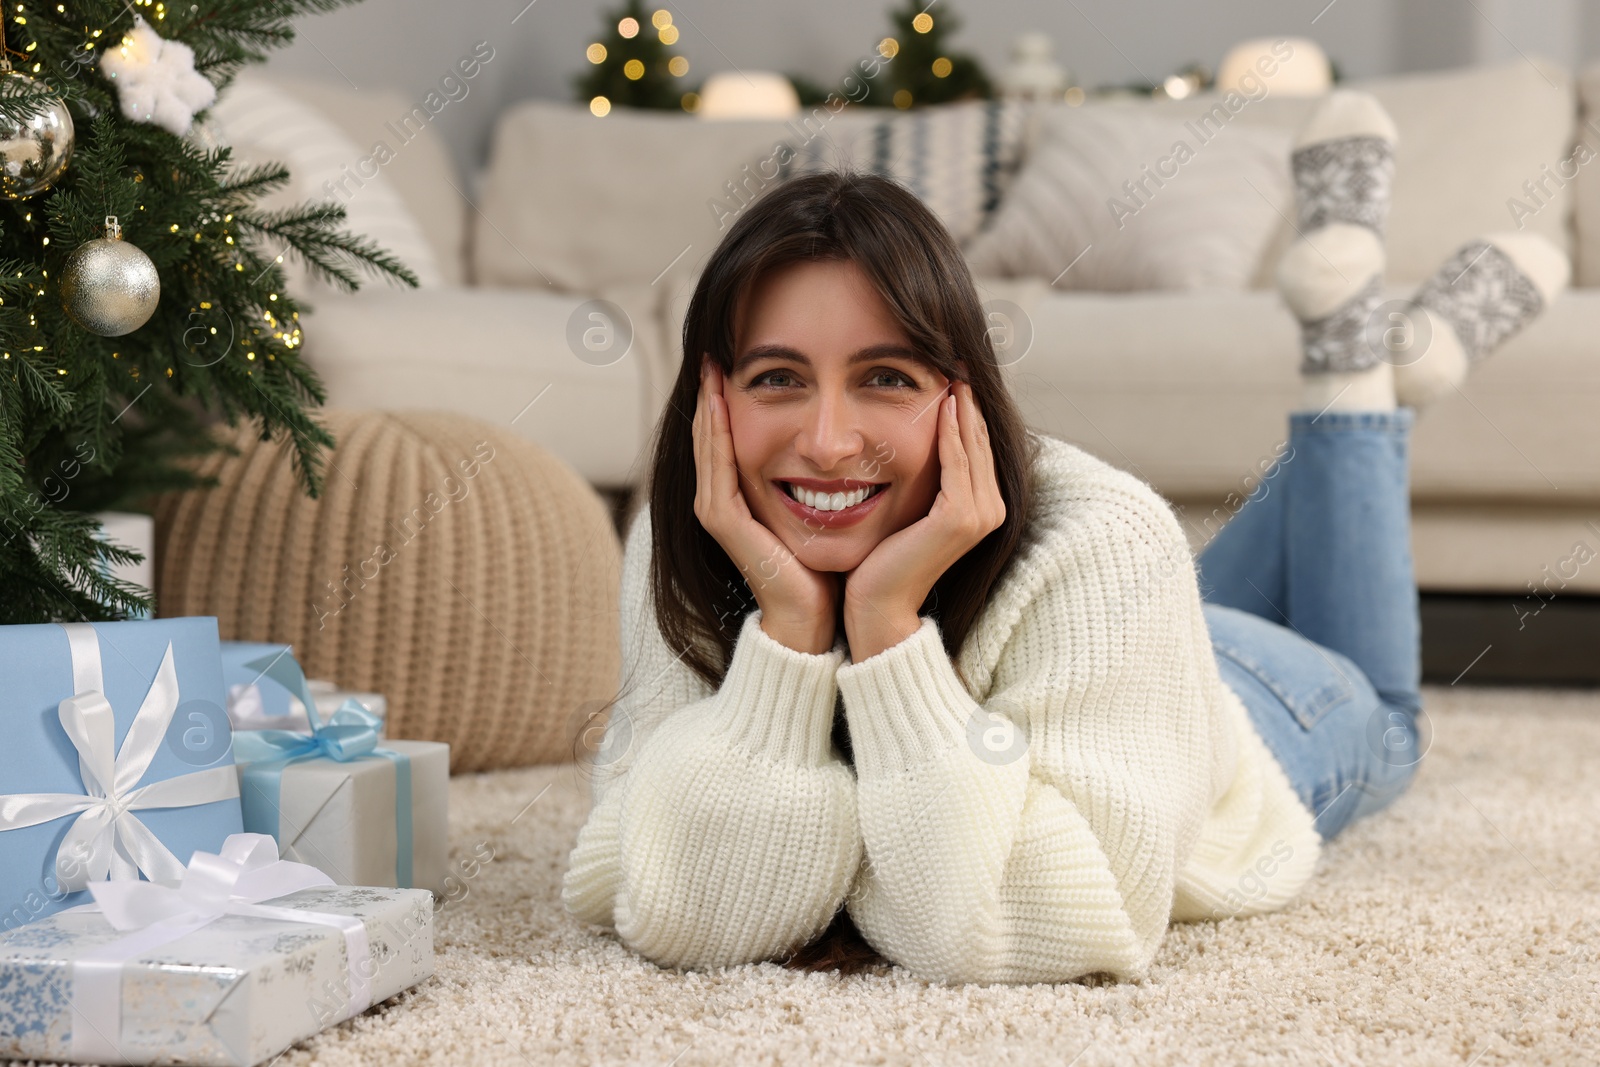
[633, 69]
[941, 67]
[922, 23]
[596, 53]
[669, 35]
[691, 101]
[628, 27]
[1074, 96]
[888, 48]
[600, 106]
[902, 98]
[661, 18]
[1305, 72]
[748, 94]
[678, 66]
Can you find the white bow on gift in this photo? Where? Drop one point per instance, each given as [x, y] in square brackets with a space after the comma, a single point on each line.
[107, 838]
[232, 882]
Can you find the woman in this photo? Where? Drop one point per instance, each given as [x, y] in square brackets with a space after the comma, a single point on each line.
[899, 666]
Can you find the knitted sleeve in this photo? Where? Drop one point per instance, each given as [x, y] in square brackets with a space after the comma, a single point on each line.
[723, 829]
[1038, 835]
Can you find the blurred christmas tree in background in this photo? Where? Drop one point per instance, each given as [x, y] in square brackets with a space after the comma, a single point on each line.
[141, 292]
[633, 64]
[922, 68]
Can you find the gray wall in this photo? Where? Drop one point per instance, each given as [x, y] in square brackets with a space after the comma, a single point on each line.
[408, 45]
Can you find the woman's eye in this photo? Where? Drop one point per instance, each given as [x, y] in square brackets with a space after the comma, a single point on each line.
[896, 378]
[780, 379]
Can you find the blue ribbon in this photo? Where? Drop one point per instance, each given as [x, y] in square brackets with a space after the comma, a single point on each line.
[351, 733]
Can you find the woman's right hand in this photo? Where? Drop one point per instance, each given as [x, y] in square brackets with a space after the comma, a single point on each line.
[798, 605]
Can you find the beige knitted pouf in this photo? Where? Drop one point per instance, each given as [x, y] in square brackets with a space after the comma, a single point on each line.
[456, 568]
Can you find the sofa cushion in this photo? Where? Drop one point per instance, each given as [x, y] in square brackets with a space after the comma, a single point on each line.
[578, 202]
[960, 158]
[266, 124]
[419, 166]
[1116, 201]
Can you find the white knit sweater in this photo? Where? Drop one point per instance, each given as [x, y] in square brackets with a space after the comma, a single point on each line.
[728, 828]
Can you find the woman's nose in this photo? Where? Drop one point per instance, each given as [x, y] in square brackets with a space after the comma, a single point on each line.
[829, 435]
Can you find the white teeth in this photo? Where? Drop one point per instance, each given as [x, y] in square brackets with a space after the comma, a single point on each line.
[831, 501]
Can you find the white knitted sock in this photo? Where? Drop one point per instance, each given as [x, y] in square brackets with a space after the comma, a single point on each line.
[1490, 289]
[1363, 390]
[1332, 276]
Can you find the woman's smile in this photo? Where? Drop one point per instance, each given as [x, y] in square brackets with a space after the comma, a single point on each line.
[831, 503]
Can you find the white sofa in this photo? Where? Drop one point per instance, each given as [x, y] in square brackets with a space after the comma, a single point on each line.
[1186, 389]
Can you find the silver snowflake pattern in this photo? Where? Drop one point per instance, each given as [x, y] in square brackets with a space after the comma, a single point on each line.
[1344, 180]
[1482, 295]
[1337, 342]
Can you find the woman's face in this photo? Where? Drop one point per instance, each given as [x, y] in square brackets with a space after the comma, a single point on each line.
[833, 416]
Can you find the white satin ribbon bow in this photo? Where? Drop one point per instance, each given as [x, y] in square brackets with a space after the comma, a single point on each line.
[232, 882]
[107, 838]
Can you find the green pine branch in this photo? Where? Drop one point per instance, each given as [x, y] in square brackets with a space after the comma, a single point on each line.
[329, 253]
[90, 423]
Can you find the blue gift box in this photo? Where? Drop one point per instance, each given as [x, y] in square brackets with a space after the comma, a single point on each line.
[146, 711]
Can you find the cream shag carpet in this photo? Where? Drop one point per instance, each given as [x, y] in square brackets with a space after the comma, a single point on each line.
[1459, 926]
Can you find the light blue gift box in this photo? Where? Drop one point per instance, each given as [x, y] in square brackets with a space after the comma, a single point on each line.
[166, 673]
[333, 797]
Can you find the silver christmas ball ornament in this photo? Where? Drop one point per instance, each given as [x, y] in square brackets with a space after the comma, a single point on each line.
[35, 151]
[109, 286]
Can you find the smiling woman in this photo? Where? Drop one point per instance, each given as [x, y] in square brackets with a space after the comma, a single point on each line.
[853, 462]
[903, 678]
[828, 346]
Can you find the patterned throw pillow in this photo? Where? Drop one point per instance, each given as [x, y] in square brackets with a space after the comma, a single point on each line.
[1114, 199]
[958, 158]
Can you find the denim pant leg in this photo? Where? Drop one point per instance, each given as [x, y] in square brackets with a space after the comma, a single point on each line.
[1312, 604]
[1242, 566]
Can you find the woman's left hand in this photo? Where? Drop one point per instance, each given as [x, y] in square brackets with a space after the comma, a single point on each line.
[883, 595]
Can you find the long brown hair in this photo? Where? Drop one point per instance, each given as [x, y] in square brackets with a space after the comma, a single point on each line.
[917, 268]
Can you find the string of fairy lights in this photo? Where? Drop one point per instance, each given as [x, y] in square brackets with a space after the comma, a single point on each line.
[287, 334]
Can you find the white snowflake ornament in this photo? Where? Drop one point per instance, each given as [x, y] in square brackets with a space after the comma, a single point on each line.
[156, 80]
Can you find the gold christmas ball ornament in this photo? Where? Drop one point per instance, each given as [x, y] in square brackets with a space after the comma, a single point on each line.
[35, 151]
[109, 286]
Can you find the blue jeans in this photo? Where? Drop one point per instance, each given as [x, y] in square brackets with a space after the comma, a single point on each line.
[1312, 605]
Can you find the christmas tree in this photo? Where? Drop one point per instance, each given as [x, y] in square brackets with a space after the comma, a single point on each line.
[93, 420]
[632, 64]
[921, 67]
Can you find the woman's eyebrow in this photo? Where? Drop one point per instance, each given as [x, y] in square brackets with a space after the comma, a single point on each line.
[865, 355]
